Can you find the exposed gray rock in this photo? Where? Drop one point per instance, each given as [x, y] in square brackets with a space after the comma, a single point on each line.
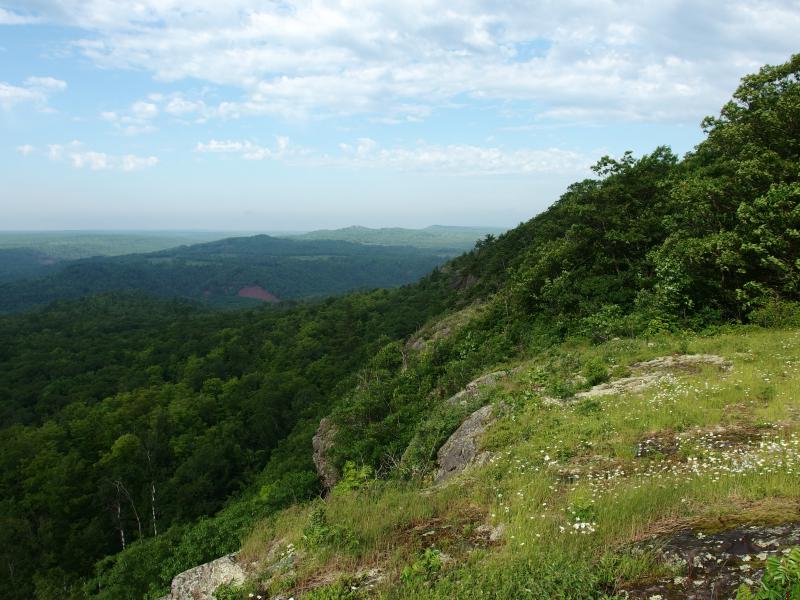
[201, 582]
[322, 442]
[493, 534]
[473, 388]
[461, 448]
[629, 385]
[715, 565]
[682, 361]
[648, 373]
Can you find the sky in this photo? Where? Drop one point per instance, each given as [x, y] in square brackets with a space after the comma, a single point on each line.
[295, 115]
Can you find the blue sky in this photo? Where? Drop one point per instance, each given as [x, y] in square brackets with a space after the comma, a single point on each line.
[268, 115]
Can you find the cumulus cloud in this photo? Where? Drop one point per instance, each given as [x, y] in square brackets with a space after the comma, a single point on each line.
[9, 18]
[34, 92]
[671, 60]
[80, 157]
[460, 159]
[451, 159]
[138, 118]
[249, 150]
[25, 149]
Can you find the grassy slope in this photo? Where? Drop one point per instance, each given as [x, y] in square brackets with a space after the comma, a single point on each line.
[524, 488]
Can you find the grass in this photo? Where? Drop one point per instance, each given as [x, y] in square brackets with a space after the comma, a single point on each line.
[576, 484]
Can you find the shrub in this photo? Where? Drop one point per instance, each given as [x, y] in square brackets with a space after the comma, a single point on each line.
[425, 568]
[776, 313]
[319, 532]
[781, 579]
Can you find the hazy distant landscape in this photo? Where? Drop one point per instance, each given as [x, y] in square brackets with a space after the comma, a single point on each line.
[234, 271]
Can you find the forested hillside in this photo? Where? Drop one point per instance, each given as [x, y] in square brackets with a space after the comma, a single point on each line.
[451, 240]
[141, 438]
[229, 273]
[71, 245]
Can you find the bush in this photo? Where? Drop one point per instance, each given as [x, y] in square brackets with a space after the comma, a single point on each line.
[595, 371]
[776, 313]
[425, 568]
[319, 532]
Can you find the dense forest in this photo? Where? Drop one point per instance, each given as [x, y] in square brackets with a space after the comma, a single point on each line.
[141, 436]
[220, 273]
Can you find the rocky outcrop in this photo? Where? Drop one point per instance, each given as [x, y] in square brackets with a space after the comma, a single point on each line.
[648, 373]
[473, 388]
[715, 565]
[461, 448]
[201, 582]
[683, 361]
[322, 442]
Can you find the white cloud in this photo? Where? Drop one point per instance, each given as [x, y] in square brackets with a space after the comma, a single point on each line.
[34, 92]
[135, 120]
[130, 162]
[452, 159]
[46, 84]
[249, 150]
[79, 157]
[460, 159]
[25, 149]
[10, 18]
[613, 59]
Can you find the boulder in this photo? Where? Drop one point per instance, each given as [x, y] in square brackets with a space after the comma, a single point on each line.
[473, 388]
[201, 582]
[461, 448]
[322, 442]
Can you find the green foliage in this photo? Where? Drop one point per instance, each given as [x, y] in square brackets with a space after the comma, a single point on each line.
[228, 592]
[781, 579]
[425, 568]
[776, 313]
[353, 477]
[319, 532]
[595, 371]
[341, 590]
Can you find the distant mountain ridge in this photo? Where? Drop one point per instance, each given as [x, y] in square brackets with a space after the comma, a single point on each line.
[451, 237]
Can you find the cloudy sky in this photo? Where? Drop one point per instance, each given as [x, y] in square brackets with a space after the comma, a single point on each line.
[264, 115]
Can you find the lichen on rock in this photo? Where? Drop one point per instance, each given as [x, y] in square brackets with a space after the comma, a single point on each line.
[322, 443]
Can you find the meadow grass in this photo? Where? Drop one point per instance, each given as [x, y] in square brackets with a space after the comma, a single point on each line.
[576, 484]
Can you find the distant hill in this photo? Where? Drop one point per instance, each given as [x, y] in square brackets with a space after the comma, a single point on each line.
[72, 245]
[24, 263]
[439, 237]
[229, 272]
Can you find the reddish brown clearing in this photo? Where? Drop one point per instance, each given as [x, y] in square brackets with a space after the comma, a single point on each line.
[259, 293]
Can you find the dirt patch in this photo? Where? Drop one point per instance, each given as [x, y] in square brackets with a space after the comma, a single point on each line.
[258, 293]
[713, 566]
[455, 534]
[668, 443]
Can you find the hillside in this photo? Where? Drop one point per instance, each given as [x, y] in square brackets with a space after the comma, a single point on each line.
[71, 245]
[599, 403]
[450, 240]
[228, 273]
